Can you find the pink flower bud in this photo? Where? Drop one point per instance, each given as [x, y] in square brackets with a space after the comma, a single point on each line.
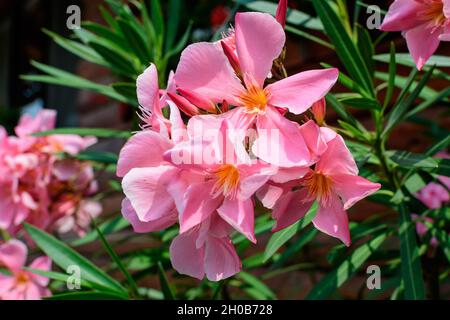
[232, 58]
[282, 12]
[184, 105]
[198, 100]
[318, 109]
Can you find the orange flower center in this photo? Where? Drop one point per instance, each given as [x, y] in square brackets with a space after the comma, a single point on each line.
[22, 278]
[319, 187]
[254, 99]
[433, 13]
[227, 180]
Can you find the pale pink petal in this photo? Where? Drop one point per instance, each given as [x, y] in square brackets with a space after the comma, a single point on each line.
[259, 41]
[32, 292]
[41, 263]
[422, 44]
[199, 205]
[13, 254]
[351, 188]
[145, 149]
[280, 141]
[333, 220]
[269, 195]
[298, 92]
[240, 215]
[337, 159]
[221, 259]
[402, 15]
[145, 188]
[6, 284]
[446, 8]
[204, 69]
[314, 139]
[148, 88]
[43, 121]
[185, 256]
[290, 208]
[327, 134]
[144, 227]
[178, 131]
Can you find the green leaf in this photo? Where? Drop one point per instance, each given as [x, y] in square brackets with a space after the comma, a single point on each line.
[361, 102]
[136, 43]
[174, 7]
[118, 62]
[345, 48]
[96, 132]
[442, 95]
[127, 89]
[86, 295]
[64, 257]
[256, 284]
[399, 111]
[392, 74]
[408, 160]
[406, 59]
[165, 286]
[333, 280]
[366, 47]
[115, 37]
[157, 20]
[98, 156]
[112, 253]
[342, 112]
[278, 239]
[411, 265]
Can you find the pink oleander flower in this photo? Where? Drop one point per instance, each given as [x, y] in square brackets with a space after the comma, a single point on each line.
[424, 24]
[38, 185]
[20, 284]
[259, 39]
[225, 182]
[334, 183]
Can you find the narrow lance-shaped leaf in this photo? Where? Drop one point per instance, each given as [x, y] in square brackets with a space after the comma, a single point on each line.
[64, 257]
[411, 266]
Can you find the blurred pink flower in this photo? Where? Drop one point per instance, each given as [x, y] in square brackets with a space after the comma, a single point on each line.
[424, 24]
[22, 284]
[38, 185]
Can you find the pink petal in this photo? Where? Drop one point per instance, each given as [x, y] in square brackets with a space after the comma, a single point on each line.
[43, 121]
[221, 259]
[177, 128]
[337, 159]
[13, 255]
[280, 141]
[422, 44]
[199, 205]
[351, 188]
[259, 41]
[32, 292]
[145, 188]
[313, 138]
[402, 15]
[298, 92]
[204, 69]
[6, 284]
[240, 215]
[446, 8]
[269, 195]
[148, 88]
[144, 227]
[290, 208]
[185, 256]
[44, 264]
[145, 149]
[333, 220]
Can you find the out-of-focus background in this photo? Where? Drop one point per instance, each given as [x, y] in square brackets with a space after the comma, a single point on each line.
[22, 40]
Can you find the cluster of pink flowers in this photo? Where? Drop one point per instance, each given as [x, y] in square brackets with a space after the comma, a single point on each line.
[424, 23]
[40, 186]
[237, 147]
